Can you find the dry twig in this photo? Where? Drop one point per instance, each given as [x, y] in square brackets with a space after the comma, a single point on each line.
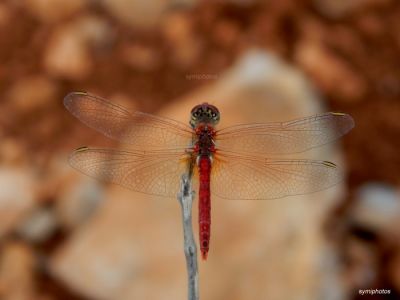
[185, 198]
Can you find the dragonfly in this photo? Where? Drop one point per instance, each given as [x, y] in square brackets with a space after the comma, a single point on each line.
[236, 162]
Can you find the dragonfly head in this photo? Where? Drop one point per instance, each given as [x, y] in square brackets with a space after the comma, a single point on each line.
[204, 113]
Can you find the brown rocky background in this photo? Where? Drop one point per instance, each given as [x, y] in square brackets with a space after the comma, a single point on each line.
[64, 236]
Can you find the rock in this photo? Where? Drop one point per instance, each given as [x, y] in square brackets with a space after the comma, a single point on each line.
[140, 57]
[377, 208]
[245, 2]
[17, 265]
[39, 225]
[111, 247]
[142, 14]
[17, 197]
[33, 92]
[226, 33]
[11, 152]
[341, 8]
[54, 10]
[332, 74]
[186, 55]
[58, 177]
[371, 25]
[132, 247]
[5, 15]
[177, 30]
[78, 202]
[68, 52]
[362, 270]
[394, 270]
[96, 31]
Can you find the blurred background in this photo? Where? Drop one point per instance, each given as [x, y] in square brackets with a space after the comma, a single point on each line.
[65, 236]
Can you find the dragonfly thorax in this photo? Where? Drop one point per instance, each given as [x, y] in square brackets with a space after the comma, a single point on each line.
[205, 145]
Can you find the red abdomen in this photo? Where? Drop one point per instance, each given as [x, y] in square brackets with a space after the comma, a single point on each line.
[204, 204]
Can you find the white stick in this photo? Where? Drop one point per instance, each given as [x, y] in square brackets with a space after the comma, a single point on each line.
[185, 198]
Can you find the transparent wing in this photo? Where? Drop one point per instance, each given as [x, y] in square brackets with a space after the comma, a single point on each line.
[240, 177]
[286, 137]
[156, 173]
[140, 129]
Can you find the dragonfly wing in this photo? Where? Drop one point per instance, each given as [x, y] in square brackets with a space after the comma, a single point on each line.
[139, 129]
[156, 173]
[286, 137]
[257, 178]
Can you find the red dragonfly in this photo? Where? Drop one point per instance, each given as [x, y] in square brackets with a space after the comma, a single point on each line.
[233, 162]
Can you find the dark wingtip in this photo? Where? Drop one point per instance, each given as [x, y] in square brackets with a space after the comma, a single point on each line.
[329, 164]
[80, 149]
[204, 254]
